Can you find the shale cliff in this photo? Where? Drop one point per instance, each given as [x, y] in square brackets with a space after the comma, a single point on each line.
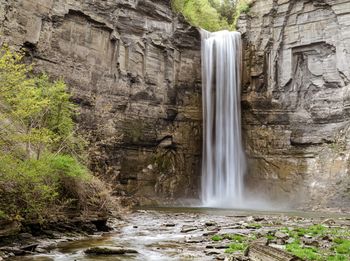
[134, 69]
[296, 99]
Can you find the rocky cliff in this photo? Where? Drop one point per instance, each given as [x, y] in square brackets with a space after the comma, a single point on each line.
[134, 69]
[296, 99]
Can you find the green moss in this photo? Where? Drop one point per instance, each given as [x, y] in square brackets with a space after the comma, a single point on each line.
[270, 237]
[243, 7]
[238, 238]
[309, 253]
[217, 238]
[342, 246]
[236, 247]
[337, 258]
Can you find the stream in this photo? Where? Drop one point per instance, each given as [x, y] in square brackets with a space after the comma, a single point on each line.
[174, 234]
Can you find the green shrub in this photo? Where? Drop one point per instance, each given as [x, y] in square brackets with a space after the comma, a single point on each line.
[212, 15]
[41, 170]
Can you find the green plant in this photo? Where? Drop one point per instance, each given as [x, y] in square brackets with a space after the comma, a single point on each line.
[309, 253]
[41, 171]
[342, 246]
[236, 247]
[204, 14]
[254, 225]
[237, 238]
[270, 237]
[217, 238]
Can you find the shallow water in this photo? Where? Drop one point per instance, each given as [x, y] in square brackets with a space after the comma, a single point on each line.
[148, 232]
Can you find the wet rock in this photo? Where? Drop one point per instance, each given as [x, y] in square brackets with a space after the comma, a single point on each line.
[220, 257]
[290, 240]
[213, 228]
[262, 241]
[327, 238]
[218, 246]
[25, 236]
[212, 252]
[186, 229]
[194, 240]
[328, 222]
[170, 225]
[109, 251]
[13, 250]
[258, 219]
[210, 223]
[209, 233]
[258, 252]
[236, 257]
[41, 250]
[30, 248]
[311, 242]
[278, 246]
[281, 235]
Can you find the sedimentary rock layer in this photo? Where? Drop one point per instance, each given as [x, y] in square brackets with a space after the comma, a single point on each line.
[296, 99]
[134, 69]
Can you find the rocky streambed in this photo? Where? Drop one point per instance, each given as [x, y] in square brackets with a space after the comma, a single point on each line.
[197, 234]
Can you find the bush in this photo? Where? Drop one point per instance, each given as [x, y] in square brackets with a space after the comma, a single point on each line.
[41, 173]
[212, 15]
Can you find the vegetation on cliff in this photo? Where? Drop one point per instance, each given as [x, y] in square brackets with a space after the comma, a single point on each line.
[41, 163]
[212, 15]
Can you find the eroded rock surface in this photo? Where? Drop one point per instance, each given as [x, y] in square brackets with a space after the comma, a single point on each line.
[296, 100]
[134, 69]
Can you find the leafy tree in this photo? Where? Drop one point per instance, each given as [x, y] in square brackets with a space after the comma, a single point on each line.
[37, 111]
[212, 15]
[39, 149]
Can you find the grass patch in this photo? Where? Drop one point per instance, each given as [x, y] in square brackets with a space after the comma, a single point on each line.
[342, 246]
[236, 247]
[217, 238]
[270, 237]
[309, 253]
[340, 250]
[254, 226]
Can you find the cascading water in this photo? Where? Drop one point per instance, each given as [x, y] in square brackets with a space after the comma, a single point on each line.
[223, 164]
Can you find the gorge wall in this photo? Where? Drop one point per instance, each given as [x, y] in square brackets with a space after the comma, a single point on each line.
[134, 69]
[296, 99]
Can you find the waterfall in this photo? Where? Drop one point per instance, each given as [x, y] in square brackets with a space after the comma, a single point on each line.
[223, 164]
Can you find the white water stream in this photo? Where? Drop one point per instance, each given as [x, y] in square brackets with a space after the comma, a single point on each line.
[223, 164]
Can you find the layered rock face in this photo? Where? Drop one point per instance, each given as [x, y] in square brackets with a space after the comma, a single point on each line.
[296, 99]
[134, 69]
